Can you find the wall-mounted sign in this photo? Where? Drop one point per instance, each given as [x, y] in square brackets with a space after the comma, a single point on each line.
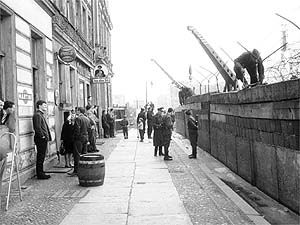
[67, 53]
[25, 96]
[101, 70]
[100, 80]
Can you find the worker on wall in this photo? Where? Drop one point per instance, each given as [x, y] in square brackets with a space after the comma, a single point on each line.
[252, 62]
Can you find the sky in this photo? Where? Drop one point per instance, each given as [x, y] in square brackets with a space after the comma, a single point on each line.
[146, 29]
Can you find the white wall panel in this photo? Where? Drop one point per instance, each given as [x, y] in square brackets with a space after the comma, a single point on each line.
[24, 76]
[25, 125]
[26, 141]
[22, 26]
[23, 59]
[23, 43]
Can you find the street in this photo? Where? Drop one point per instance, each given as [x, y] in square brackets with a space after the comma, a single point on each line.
[138, 189]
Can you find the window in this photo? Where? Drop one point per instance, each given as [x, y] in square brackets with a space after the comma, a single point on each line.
[81, 94]
[84, 25]
[78, 15]
[5, 54]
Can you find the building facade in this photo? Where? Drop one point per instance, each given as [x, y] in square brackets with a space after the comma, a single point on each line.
[31, 34]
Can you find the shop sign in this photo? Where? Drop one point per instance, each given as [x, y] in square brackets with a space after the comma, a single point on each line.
[25, 96]
[100, 80]
[67, 53]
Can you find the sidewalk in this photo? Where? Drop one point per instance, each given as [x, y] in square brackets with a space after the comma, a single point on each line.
[138, 189]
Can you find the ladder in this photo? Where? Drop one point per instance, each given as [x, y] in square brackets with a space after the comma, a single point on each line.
[14, 164]
[224, 70]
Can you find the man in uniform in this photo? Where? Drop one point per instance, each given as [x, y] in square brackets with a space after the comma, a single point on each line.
[149, 122]
[158, 129]
[168, 121]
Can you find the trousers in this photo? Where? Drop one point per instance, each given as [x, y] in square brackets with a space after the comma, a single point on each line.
[41, 147]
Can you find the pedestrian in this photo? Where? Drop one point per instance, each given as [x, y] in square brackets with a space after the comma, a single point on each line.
[7, 116]
[142, 115]
[157, 136]
[253, 63]
[105, 125]
[124, 124]
[41, 137]
[111, 122]
[1, 104]
[92, 132]
[192, 125]
[6, 110]
[150, 122]
[141, 129]
[81, 137]
[167, 123]
[67, 138]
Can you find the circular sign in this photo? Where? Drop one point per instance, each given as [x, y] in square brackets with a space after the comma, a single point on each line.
[67, 53]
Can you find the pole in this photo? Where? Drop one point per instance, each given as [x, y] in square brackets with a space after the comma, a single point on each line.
[146, 93]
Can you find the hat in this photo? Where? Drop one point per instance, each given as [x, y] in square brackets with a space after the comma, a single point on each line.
[160, 109]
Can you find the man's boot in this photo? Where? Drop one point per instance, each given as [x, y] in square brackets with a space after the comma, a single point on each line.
[167, 157]
[155, 151]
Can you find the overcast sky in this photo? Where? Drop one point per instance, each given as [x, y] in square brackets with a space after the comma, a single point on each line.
[145, 29]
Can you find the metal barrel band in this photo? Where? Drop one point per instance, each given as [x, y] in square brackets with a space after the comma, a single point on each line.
[91, 162]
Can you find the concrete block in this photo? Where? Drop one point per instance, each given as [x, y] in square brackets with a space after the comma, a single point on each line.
[278, 139]
[214, 143]
[294, 142]
[221, 147]
[293, 88]
[230, 148]
[278, 126]
[296, 127]
[288, 171]
[244, 158]
[278, 91]
[265, 168]
[266, 137]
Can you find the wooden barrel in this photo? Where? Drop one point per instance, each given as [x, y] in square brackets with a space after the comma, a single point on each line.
[91, 170]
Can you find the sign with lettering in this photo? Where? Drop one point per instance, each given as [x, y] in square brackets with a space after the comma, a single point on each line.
[25, 96]
[101, 80]
[67, 53]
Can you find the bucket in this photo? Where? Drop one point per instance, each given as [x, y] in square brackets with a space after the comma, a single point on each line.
[91, 170]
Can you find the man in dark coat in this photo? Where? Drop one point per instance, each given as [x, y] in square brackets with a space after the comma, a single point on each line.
[252, 62]
[168, 121]
[157, 136]
[150, 122]
[81, 137]
[41, 137]
[111, 122]
[192, 125]
[105, 124]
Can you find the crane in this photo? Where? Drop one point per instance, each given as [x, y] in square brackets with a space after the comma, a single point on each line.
[224, 70]
[184, 92]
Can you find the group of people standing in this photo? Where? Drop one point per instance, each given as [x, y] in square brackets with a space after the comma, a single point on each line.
[162, 125]
[79, 134]
[108, 123]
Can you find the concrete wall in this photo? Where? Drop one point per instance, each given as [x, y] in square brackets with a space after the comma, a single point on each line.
[255, 132]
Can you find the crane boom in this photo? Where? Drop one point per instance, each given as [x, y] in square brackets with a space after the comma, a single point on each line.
[226, 73]
[177, 84]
